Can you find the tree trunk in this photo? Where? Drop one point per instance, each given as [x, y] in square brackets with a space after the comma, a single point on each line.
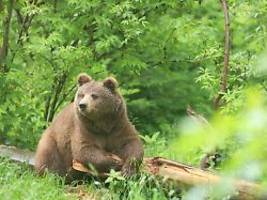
[6, 27]
[224, 73]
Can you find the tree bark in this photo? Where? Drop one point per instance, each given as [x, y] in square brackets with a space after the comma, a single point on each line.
[190, 176]
[185, 175]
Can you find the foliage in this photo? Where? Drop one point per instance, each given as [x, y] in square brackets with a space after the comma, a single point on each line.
[140, 187]
[165, 54]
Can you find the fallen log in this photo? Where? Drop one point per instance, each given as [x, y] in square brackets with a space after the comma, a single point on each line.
[188, 176]
[17, 155]
[178, 173]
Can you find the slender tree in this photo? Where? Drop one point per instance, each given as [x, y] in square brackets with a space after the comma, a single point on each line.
[5, 43]
[224, 74]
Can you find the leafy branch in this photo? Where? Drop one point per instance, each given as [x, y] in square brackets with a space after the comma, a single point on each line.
[25, 25]
[52, 102]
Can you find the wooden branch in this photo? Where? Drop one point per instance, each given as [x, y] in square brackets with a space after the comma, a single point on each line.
[190, 176]
[26, 22]
[196, 117]
[19, 16]
[65, 95]
[5, 44]
[169, 170]
[25, 25]
[17, 155]
[202, 121]
[59, 87]
[48, 101]
[224, 74]
[52, 102]
[185, 175]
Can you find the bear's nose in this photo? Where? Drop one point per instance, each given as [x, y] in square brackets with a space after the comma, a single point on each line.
[82, 106]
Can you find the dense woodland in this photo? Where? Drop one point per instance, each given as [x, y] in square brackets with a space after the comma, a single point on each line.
[178, 62]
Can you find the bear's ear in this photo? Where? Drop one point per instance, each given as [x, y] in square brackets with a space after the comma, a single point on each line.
[83, 78]
[111, 83]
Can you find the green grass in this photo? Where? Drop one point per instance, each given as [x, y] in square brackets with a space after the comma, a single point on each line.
[19, 182]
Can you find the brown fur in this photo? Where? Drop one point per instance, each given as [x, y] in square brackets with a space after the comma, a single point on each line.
[92, 134]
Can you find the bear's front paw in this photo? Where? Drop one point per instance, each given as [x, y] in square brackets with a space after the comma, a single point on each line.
[128, 170]
[116, 162]
[116, 166]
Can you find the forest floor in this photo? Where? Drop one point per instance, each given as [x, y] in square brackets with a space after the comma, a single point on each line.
[19, 181]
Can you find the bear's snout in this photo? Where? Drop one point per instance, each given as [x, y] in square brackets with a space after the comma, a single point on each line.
[82, 106]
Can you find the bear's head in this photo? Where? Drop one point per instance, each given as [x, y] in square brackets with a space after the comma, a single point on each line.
[97, 99]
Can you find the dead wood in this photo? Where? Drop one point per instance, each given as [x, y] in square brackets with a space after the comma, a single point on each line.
[202, 121]
[169, 170]
[190, 176]
[196, 117]
[17, 155]
[186, 175]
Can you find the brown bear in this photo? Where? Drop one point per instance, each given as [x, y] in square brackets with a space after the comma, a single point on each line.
[90, 130]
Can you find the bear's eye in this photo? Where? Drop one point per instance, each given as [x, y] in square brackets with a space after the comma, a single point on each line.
[94, 96]
[80, 95]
